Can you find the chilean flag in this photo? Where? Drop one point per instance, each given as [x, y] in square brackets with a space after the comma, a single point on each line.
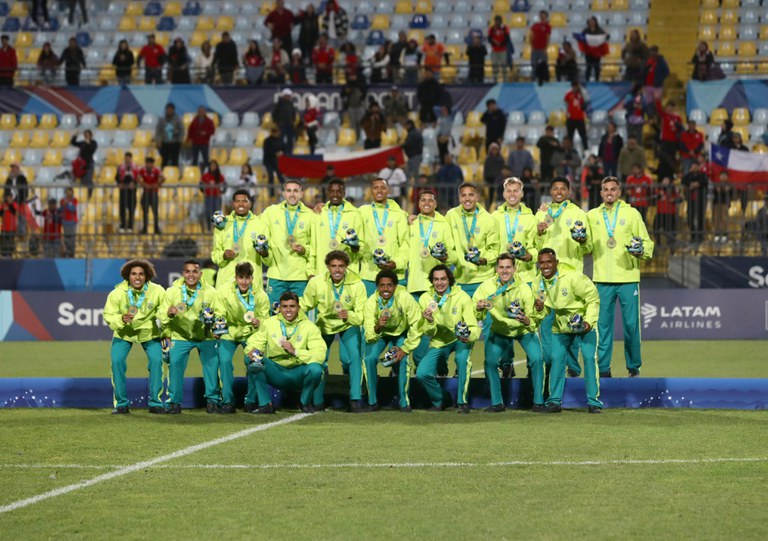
[743, 167]
[592, 44]
[347, 164]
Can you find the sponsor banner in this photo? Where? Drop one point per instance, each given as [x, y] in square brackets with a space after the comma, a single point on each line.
[734, 272]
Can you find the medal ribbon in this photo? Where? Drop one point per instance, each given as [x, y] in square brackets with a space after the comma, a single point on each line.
[247, 301]
[502, 289]
[511, 232]
[381, 303]
[425, 238]
[611, 227]
[559, 211]
[338, 293]
[469, 232]
[140, 300]
[379, 226]
[334, 226]
[193, 298]
[237, 234]
[443, 299]
[285, 330]
[545, 289]
[290, 224]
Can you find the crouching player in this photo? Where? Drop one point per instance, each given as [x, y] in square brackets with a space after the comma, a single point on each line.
[450, 323]
[130, 311]
[391, 323]
[291, 351]
[339, 296]
[510, 303]
[187, 312]
[576, 305]
[244, 305]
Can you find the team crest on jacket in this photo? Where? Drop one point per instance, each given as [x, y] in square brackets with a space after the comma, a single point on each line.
[301, 225]
[389, 223]
[347, 298]
[455, 310]
[519, 228]
[434, 234]
[622, 222]
[299, 338]
[477, 231]
[564, 292]
[569, 222]
[345, 225]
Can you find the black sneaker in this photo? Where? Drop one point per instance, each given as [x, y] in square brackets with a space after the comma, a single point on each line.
[308, 408]
[120, 410]
[263, 410]
[406, 409]
[594, 409]
[539, 408]
[572, 373]
[375, 407]
[508, 371]
[435, 408]
[174, 409]
[498, 408]
[250, 408]
[158, 410]
[463, 408]
[358, 406]
[226, 408]
[319, 407]
[551, 408]
[606, 374]
[634, 373]
[212, 407]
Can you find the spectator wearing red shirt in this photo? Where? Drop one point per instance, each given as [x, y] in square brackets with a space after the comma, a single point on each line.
[498, 37]
[639, 190]
[278, 63]
[154, 57]
[212, 186]
[576, 112]
[655, 72]
[68, 209]
[126, 178]
[8, 61]
[199, 134]
[312, 122]
[665, 222]
[150, 179]
[434, 53]
[254, 63]
[51, 229]
[323, 57]
[9, 211]
[280, 23]
[671, 126]
[691, 145]
[539, 40]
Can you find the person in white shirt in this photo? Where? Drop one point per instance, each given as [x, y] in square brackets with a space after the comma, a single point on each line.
[395, 178]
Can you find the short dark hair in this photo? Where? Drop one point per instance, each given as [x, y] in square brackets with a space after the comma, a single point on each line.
[289, 296]
[490, 101]
[242, 191]
[545, 251]
[244, 269]
[468, 185]
[504, 256]
[447, 269]
[337, 180]
[563, 180]
[386, 273]
[337, 254]
[191, 261]
[149, 268]
[293, 181]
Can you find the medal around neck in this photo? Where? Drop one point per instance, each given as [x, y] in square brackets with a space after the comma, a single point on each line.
[132, 310]
[181, 307]
[424, 252]
[611, 243]
[249, 316]
[381, 240]
[333, 244]
[291, 240]
[337, 306]
[549, 219]
[386, 313]
[432, 306]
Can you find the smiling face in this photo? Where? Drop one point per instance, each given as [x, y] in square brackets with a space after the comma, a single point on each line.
[337, 268]
[386, 288]
[547, 264]
[427, 204]
[137, 277]
[610, 192]
[336, 194]
[244, 283]
[440, 281]
[290, 309]
[191, 274]
[468, 198]
[292, 193]
[513, 192]
[379, 191]
[242, 204]
[505, 268]
[559, 192]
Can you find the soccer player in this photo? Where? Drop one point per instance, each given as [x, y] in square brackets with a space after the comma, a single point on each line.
[233, 242]
[429, 228]
[331, 225]
[575, 303]
[339, 296]
[245, 306]
[293, 354]
[391, 321]
[288, 228]
[449, 322]
[509, 302]
[186, 311]
[385, 227]
[476, 238]
[131, 311]
[616, 272]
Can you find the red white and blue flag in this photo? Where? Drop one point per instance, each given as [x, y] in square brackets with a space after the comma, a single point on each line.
[592, 44]
[346, 164]
[742, 167]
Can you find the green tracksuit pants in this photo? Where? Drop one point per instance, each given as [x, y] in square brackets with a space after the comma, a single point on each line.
[119, 354]
[426, 372]
[275, 288]
[180, 350]
[546, 333]
[351, 356]
[226, 351]
[629, 300]
[372, 353]
[304, 378]
[498, 347]
[562, 344]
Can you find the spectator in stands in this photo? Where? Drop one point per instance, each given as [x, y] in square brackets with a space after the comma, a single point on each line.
[353, 100]
[428, 94]
[280, 23]
[630, 154]
[671, 127]
[610, 147]
[539, 40]
[519, 158]
[576, 101]
[655, 72]
[495, 121]
[74, 62]
[492, 171]
[635, 113]
[413, 148]
[547, 144]
[247, 181]
[639, 186]
[434, 54]
[702, 61]
[449, 178]
[395, 107]
[150, 179]
[274, 147]
[126, 178]
[178, 63]
[759, 226]
[168, 134]
[532, 188]
[721, 202]
[396, 179]
[199, 134]
[395, 54]
[593, 56]
[9, 212]
[312, 121]
[410, 59]
[284, 115]
[498, 37]
[323, 57]
[726, 134]
[278, 63]
[204, 64]
[744, 190]
[665, 222]
[634, 55]
[212, 185]
[17, 186]
[379, 65]
[476, 53]
[374, 125]
[334, 22]
[566, 67]
[72, 5]
[254, 63]
[48, 64]
[309, 31]
[695, 183]
[566, 160]
[592, 176]
[68, 209]
[123, 62]
[51, 229]
[297, 73]
[153, 55]
[691, 145]
[225, 59]
[349, 60]
[87, 151]
[8, 61]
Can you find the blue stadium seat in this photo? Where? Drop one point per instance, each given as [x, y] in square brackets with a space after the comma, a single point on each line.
[360, 22]
[419, 21]
[364, 7]
[4, 9]
[191, 9]
[83, 39]
[12, 24]
[375, 37]
[166, 24]
[537, 118]
[153, 9]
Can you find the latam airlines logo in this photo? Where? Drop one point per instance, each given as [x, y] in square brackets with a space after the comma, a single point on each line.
[681, 317]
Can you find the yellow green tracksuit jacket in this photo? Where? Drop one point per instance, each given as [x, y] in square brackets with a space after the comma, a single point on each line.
[319, 294]
[501, 323]
[617, 265]
[419, 267]
[558, 235]
[309, 343]
[143, 327]
[282, 262]
[395, 232]
[321, 235]
[405, 316]
[187, 325]
[224, 239]
[569, 292]
[524, 233]
[485, 237]
[229, 306]
[458, 307]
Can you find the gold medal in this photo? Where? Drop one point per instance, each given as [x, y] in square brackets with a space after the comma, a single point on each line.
[181, 307]
[549, 219]
[334, 244]
[432, 306]
[542, 296]
[386, 313]
[132, 310]
[291, 240]
[487, 304]
[424, 252]
[236, 247]
[382, 240]
[611, 243]
[338, 306]
[249, 317]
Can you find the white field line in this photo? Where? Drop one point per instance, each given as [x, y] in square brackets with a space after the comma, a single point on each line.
[481, 371]
[369, 465]
[125, 470]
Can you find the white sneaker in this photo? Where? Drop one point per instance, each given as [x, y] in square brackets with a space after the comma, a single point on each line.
[717, 238]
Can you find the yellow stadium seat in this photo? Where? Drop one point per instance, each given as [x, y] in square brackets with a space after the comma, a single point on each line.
[265, 8]
[39, 139]
[27, 122]
[191, 175]
[740, 116]
[448, 74]
[172, 9]
[60, 139]
[171, 173]
[108, 122]
[729, 16]
[467, 172]
[760, 148]
[743, 131]
[198, 38]
[260, 136]
[416, 34]
[389, 138]
[526, 51]
[53, 157]
[708, 16]
[500, 7]
[600, 5]
[107, 74]
[205, 23]
[710, 4]
[727, 33]
[718, 116]
[404, 7]
[139, 156]
[48, 121]
[129, 121]
[347, 137]
[473, 120]
[147, 24]
[19, 139]
[552, 51]
[707, 32]
[113, 156]
[266, 120]
[747, 49]
[764, 31]
[558, 20]
[127, 24]
[19, 9]
[423, 6]
[29, 172]
[557, 118]
[518, 20]
[467, 156]
[620, 5]
[219, 154]
[7, 121]
[726, 48]
[238, 156]
[455, 52]
[163, 38]
[107, 174]
[12, 155]
[380, 22]
[134, 9]
[142, 138]
[24, 39]
[225, 24]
